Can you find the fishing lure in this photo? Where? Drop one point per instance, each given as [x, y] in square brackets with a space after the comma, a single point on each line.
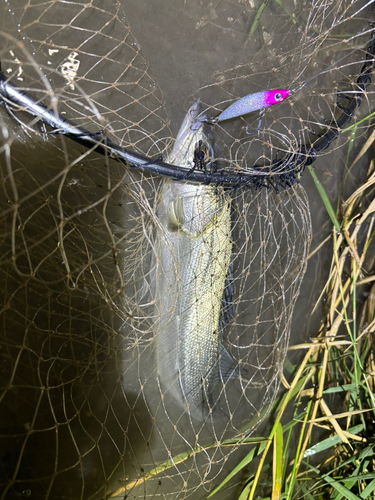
[280, 174]
[253, 102]
[264, 99]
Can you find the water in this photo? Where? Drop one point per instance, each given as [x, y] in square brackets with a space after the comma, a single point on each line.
[81, 414]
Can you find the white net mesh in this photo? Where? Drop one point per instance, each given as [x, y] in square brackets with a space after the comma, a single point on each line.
[83, 412]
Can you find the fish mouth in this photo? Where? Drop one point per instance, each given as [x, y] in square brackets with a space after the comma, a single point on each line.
[195, 113]
[194, 144]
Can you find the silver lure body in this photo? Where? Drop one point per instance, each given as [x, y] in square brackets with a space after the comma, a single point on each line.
[192, 255]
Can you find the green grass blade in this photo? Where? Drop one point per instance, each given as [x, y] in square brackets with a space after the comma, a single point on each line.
[325, 199]
[277, 465]
[258, 16]
[245, 492]
[358, 123]
[340, 388]
[370, 489]
[341, 489]
[330, 442]
[245, 461]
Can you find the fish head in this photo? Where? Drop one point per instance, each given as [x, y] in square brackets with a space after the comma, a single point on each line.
[194, 144]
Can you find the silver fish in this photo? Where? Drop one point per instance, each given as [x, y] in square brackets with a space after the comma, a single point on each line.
[192, 256]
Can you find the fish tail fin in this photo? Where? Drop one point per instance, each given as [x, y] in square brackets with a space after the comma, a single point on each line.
[228, 366]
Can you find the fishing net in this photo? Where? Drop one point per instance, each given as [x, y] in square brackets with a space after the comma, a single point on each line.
[83, 412]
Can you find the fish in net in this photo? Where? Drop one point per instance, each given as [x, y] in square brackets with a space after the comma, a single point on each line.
[84, 413]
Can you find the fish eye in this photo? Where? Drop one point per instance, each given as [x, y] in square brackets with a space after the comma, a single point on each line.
[278, 97]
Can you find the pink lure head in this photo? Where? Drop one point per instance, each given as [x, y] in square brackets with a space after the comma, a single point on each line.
[274, 96]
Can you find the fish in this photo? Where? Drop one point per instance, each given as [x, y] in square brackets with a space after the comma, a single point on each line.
[253, 102]
[192, 259]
